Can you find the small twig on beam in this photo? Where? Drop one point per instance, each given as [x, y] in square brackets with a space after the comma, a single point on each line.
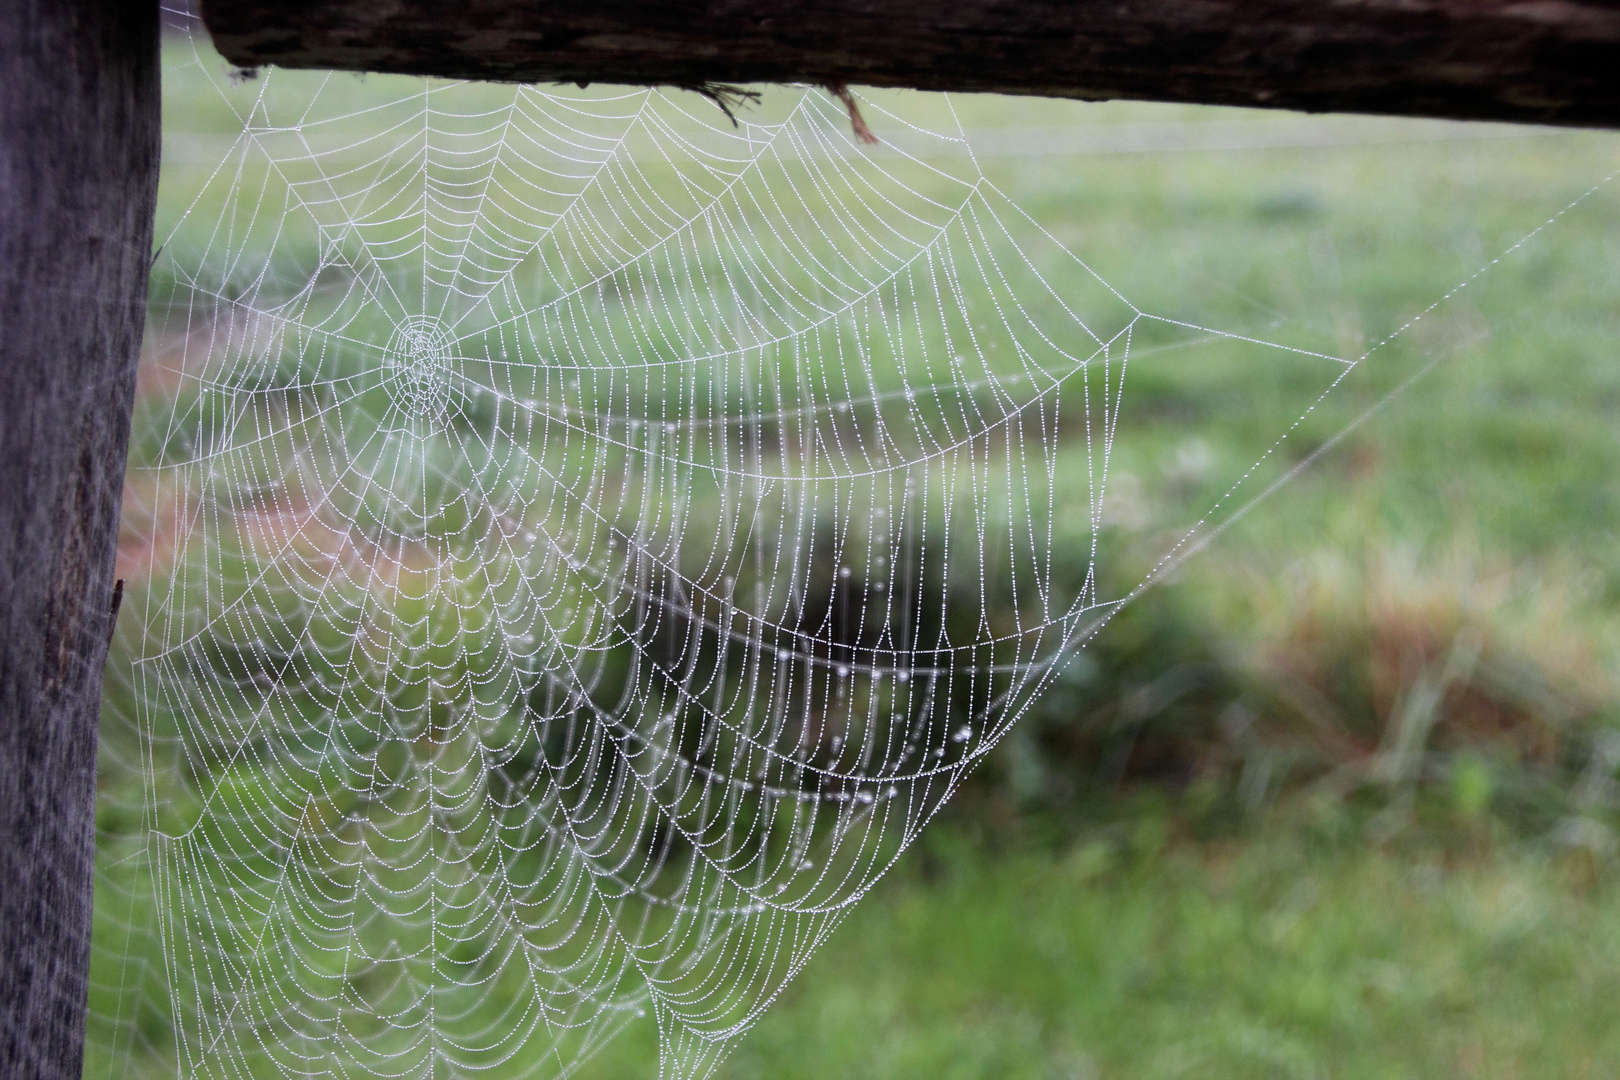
[725, 95]
[857, 122]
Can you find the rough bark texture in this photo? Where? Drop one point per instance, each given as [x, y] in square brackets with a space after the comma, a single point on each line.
[1552, 61]
[79, 113]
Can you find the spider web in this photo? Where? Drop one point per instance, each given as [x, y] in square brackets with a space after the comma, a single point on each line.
[576, 545]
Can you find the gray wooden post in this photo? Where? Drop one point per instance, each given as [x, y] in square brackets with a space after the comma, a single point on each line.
[79, 115]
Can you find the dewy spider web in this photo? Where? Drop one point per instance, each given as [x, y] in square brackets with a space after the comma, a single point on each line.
[579, 545]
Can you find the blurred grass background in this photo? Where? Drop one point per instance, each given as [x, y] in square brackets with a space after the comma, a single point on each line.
[1339, 797]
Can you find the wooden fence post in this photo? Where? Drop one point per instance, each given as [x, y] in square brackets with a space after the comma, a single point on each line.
[79, 141]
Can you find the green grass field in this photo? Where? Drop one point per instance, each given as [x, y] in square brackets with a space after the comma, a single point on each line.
[1354, 930]
[1346, 930]
[1339, 797]
[1271, 956]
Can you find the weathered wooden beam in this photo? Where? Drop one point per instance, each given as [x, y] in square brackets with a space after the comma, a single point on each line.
[1545, 61]
[79, 112]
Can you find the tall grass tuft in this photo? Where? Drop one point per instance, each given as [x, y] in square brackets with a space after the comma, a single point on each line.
[1385, 688]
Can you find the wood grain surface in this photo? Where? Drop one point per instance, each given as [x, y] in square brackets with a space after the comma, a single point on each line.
[1548, 61]
[79, 114]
